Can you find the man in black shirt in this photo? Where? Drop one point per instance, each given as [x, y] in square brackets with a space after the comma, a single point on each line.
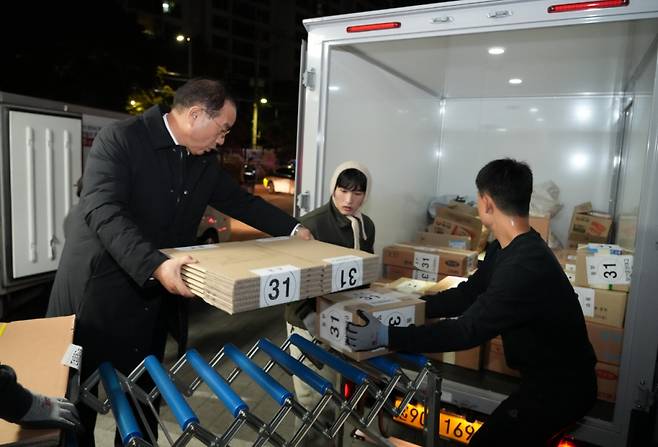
[521, 293]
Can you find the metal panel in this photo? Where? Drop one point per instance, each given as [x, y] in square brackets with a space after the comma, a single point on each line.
[41, 150]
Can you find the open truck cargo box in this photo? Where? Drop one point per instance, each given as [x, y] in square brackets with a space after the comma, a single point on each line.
[424, 105]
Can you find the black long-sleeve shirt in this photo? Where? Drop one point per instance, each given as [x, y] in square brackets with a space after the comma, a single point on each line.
[519, 292]
[14, 399]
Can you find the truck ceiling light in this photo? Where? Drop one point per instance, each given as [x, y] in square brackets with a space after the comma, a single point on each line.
[515, 81]
[582, 6]
[373, 27]
[495, 51]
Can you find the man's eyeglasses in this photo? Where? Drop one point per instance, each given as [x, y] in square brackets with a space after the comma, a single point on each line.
[222, 132]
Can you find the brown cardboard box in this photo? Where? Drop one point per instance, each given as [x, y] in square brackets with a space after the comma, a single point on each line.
[443, 240]
[420, 287]
[581, 271]
[588, 226]
[443, 260]
[392, 307]
[463, 208]
[394, 272]
[626, 231]
[542, 225]
[34, 349]
[567, 259]
[607, 378]
[494, 358]
[470, 358]
[607, 342]
[451, 221]
[606, 307]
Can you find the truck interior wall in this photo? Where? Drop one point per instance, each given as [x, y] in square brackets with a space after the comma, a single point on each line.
[566, 140]
[392, 127]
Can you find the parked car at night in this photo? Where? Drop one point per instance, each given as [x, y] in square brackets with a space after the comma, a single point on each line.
[282, 180]
[214, 227]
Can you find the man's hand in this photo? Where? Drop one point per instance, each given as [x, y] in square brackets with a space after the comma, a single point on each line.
[169, 275]
[50, 412]
[303, 233]
[372, 335]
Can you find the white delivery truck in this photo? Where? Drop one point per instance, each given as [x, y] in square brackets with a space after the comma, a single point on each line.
[426, 95]
[43, 145]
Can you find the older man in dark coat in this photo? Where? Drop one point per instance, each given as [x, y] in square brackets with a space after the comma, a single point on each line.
[146, 184]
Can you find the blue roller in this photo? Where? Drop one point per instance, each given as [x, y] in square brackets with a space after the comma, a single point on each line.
[385, 365]
[216, 383]
[313, 379]
[354, 374]
[418, 360]
[121, 410]
[178, 405]
[264, 380]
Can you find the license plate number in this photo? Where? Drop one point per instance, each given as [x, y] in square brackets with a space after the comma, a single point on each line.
[451, 426]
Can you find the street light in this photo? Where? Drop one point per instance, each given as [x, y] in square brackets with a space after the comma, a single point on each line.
[183, 39]
[254, 122]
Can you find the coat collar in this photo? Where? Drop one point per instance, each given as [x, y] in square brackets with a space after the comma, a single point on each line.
[156, 128]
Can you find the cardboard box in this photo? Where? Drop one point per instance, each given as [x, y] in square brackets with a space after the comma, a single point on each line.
[542, 225]
[470, 358]
[603, 252]
[334, 311]
[463, 208]
[451, 221]
[443, 260]
[393, 272]
[494, 358]
[443, 240]
[607, 342]
[607, 379]
[34, 349]
[420, 287]
[626, 231]
[567, 259]
[588, 226]
[607, 307]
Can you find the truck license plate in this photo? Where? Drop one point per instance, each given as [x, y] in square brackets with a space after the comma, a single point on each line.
[451, 426]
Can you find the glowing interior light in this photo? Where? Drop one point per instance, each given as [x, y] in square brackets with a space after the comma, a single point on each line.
[534, 110]
[334, 88]
[583, 114]
[579, 161]
[496, 50]
[515, 81]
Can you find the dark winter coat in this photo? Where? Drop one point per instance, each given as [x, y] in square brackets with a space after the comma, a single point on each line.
[140, 193]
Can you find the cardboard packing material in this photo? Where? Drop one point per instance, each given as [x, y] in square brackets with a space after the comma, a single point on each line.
[588, 226]
[35, 349]
[604, 266]
[470, 358]
[542, 225]
[607, 379]
[494, 358]
[393, 272]
[443, 240]
[451, 221]
[463, 208]
[607, 342]
[420, 287]
[443, 260]
[606, 307]
[626, 231]
[334, 311]
[241, 276]
[567, 259]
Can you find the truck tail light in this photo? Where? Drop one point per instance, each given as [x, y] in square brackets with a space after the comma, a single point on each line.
[582, 6]
[373, 27]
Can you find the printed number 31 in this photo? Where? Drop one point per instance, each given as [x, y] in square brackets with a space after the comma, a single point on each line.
[350, 280]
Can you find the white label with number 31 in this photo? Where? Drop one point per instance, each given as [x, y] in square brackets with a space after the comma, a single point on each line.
[346, 272]
[278, 285]
[609, 269]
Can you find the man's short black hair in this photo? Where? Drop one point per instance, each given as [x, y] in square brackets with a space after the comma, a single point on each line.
[352, 180]
[210, 93]
[509, 183]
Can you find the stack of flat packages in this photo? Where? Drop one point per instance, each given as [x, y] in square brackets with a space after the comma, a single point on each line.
[241, 276]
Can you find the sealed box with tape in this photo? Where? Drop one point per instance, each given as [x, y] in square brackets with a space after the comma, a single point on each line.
[391, 307]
